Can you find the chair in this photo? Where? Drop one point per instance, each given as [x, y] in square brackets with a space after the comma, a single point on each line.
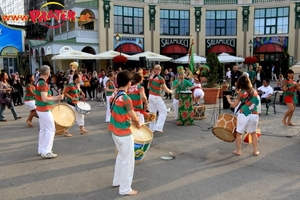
[272, 102]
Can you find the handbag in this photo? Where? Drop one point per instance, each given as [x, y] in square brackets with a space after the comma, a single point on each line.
[86, 83]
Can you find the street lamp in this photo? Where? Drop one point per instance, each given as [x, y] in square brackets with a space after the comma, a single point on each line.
[118, 39]
[250, 47]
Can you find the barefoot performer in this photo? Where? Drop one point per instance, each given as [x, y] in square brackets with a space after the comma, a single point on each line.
[29, 99]
[247, 119]
[289, 96]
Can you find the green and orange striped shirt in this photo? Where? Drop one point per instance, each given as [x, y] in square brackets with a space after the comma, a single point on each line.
[41, 106]
[134, 94]
[110, 85]
[73, 91]
[120, 119]
[250, 107]
[155, 85]
[30, 94]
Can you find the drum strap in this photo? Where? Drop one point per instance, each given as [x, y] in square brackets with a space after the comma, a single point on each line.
[247, 99]
[120, 93]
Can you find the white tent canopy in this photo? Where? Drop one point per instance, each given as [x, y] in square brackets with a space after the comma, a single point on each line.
[296, 68]
[185, 59]
[108, 55]
[226, 58]
[74, 55]
[151, 56]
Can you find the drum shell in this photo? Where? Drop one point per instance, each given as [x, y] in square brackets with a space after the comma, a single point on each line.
[83, 108]
[64, 118]
[224, 128]
[199, 112]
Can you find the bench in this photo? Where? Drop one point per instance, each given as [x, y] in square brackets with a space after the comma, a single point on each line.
[272, 102]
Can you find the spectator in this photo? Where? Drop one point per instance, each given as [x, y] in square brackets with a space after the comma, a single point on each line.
[260, 75]
[235, 74]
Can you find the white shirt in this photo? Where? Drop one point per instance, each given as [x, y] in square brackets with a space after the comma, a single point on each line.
[228, 74]
[266, 91]
[258, 76]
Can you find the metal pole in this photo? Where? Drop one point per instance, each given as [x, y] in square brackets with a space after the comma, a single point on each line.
[296, 41]
[106, 29]
[152, 37]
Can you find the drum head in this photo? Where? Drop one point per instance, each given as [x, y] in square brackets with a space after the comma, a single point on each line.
[141, 135]
[63, 115]
[224, 134]
[84, 106]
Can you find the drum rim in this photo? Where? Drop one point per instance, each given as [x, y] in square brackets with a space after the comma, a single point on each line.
[140, 141]
[232, 133]
[64, 105]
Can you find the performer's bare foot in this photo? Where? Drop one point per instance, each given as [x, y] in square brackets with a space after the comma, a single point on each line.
[133, 192]
[290, 124]
[284, 122]
[67, 134]
[83, 131]
[237, 153]
[256, 153]
[29, 123]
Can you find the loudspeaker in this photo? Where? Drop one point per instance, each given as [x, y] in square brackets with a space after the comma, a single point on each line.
[226, 105]
[143, 63]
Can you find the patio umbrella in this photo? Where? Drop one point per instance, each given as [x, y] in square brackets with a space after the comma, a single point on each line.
[151, 56]
[74, 55]
[226, 58]
[296, 68]
[185, 59]
[109, 55]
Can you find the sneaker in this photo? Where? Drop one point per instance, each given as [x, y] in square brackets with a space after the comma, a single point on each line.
[39, 154]
[92, 99]
[49, 155]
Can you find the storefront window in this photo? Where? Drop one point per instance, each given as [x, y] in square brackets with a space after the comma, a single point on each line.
[271, 21]
[220, 22]
[128, 20]
[174, 22]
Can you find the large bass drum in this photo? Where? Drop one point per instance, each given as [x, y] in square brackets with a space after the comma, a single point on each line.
[64, 118]
[224, 128]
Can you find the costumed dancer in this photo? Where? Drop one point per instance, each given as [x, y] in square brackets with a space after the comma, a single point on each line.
[109, 90]
[44, 102]
[29, 99]
[247, 119]
[181, 84]
[72, 92]
[289, 97]
[137, 95]
[197, 92]
[121, 114]
[156, 103]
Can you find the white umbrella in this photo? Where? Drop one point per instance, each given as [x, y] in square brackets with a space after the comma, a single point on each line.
[109, 55]
[185, 59]
[151, 56]
[74, 55]
[296, 68]
[226, 58]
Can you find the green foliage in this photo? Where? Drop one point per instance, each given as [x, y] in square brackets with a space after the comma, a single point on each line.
[216, 70]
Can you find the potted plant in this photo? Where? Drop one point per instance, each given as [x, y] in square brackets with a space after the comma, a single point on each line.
[212, 88]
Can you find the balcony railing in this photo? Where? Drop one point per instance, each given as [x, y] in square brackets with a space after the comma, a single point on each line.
[89, 36]
[175, 1]
[220, 2]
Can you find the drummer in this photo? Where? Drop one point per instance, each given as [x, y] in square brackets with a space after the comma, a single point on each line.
[180, 84]
[72, 92]
[136, 92]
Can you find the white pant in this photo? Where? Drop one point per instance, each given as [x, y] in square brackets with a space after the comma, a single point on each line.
[46, 133]
[175, 107]
[30, 104]
[157, 104]
[79, 117]
[141, 116]
[247, 123]
[107, 119]
[124, 168]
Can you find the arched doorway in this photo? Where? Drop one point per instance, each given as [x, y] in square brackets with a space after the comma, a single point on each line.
[89, 65]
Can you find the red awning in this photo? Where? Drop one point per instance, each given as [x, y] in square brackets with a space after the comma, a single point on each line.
[129, 48]
[174, 49]
[269, 48]
[220, 48]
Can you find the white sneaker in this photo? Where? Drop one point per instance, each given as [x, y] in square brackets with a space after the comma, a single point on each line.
[92, 99]
[49, 155]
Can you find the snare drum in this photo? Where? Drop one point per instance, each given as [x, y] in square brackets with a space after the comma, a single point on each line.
[64, 118]
[142, 141]
[224, 128]
[199, 112]
[83, 108]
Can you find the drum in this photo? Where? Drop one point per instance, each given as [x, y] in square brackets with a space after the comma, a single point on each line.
[199, 112]
[150, 117]
[185, 109]
[142, 141]
[224, 129]
[64, 118]
[83, 108]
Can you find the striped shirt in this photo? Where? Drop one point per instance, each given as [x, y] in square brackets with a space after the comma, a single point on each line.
[73, 91]
[251, 105]
[120, 120]
[134, 94]
[110, 85]
[30, 94]
[41, 106]
[155, 84]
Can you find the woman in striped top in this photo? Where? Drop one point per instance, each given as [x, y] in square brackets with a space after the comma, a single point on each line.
[29, 98]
